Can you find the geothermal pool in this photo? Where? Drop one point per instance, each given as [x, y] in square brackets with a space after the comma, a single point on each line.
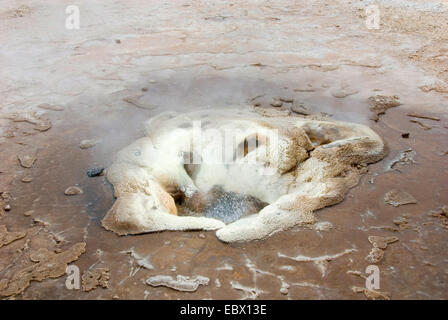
[294, 164]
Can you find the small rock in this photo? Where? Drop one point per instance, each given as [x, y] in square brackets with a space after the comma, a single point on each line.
[71, 191]
[201, 235]
[7, 207]
[5, 195]
[26, 179]
[28, 213]
[40, 123]
[379, 104]
[43, 126]
[180, 283]
[86, 144]
[95, 172]
[27, 160]
[300, 109]
[276, 103]
[381, 242]
[375, 255]
[401, 222]
[379, 245]
[398, 198]
[51, 107]
[284, 290]
[405, 135]
[118, 41]
[98, 277]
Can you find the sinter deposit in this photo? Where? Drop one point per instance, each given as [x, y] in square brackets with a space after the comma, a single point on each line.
[283, 167]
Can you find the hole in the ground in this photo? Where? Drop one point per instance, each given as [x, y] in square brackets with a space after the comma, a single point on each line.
[221, 205]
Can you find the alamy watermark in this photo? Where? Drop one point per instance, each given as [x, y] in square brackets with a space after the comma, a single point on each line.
[73, 281]
[235, 145]
[373, 278]
[373, 18]
[72, 20]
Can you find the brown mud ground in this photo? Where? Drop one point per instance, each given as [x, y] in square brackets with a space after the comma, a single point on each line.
[200, 55]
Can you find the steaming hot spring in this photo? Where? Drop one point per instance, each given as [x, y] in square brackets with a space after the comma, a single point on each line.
[243, 174]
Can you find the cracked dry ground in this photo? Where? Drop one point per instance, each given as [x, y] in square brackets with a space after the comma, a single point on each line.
[131, 60]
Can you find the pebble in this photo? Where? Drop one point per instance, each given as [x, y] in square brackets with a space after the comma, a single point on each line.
[26, 179]
[398, 198]
[71, 191]
[284, 290]
[201, 235]
[95, 172]
[5, 195]
[276, 103]
[27, 160]
[300, 109]
[86, 144]
[28, 213]
[7, 207]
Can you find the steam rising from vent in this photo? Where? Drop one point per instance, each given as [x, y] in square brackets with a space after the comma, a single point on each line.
[246, 175]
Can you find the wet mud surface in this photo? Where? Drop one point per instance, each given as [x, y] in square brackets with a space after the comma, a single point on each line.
[188, 71]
